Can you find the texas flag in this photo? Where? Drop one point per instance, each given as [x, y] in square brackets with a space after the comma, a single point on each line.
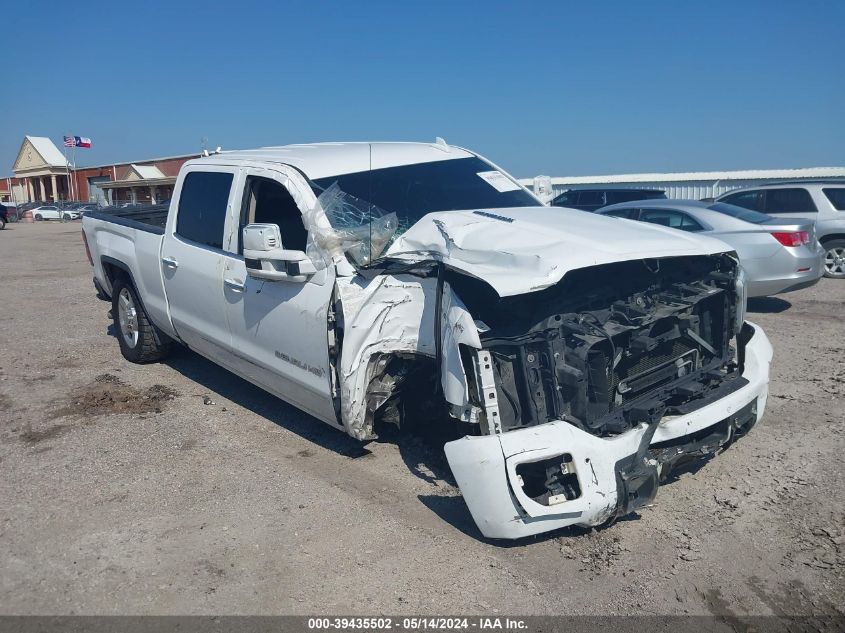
[81, 141]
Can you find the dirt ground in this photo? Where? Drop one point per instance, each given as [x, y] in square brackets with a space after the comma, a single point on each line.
[179, 488]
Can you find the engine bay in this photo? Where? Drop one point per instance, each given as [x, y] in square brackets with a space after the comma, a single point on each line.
[609, 347]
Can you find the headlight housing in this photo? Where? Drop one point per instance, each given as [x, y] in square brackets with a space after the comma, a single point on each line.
[741, 286]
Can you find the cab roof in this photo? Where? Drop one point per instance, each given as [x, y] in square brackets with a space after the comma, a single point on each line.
[321, 160]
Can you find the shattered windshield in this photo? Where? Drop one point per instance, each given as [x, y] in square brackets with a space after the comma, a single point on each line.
[371, 208]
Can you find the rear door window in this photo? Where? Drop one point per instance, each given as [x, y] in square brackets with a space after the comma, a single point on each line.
[566, 199]
[789, 201]
[836, 197]
[623, 196]
[628, 214]
[202, 207]
[746, 199]
[671, 218]
[591, 198]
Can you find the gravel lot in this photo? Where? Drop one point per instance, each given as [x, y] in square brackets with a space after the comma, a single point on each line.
[179, 488]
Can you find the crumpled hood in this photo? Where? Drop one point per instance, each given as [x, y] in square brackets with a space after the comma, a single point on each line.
[524, 249]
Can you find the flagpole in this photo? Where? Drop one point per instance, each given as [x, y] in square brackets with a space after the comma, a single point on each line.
[67, 168]
[74, 167]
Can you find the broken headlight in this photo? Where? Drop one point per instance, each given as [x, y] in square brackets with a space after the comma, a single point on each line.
[741, 286]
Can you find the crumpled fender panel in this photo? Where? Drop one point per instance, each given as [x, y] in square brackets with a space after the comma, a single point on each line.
[395, 314]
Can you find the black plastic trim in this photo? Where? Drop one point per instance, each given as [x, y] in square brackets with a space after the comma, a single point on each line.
[124, 221]
[801, 285]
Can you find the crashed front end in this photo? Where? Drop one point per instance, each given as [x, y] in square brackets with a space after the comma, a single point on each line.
[581, 373]
[577, 399]
[590, 392]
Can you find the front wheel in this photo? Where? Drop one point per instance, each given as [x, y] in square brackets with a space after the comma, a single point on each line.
[135, 333]
[38, 217]
[2, 223]
[834, 259]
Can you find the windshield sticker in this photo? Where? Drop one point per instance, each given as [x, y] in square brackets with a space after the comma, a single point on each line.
[498, 181]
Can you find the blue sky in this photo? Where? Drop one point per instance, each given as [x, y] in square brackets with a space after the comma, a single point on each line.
[560, 88]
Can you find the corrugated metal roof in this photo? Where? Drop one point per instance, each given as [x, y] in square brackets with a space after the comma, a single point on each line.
[49, 152]
[747, 174]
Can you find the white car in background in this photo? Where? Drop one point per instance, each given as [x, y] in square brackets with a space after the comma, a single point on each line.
[53, 212]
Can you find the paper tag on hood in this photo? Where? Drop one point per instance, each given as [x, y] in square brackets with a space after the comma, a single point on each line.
[498, 181]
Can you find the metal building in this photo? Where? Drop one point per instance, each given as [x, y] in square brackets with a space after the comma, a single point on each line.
[688, 185]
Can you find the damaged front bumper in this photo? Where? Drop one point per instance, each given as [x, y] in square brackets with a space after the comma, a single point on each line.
[597, 478]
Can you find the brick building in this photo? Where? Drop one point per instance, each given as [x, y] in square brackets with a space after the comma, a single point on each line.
[41, 173]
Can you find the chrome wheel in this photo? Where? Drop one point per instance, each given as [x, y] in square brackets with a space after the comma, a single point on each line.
[834, 261]
[127, 315]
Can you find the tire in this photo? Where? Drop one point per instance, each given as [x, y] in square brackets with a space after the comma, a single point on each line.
[64, 218]
[135, 334]
[38, 217]
[834, 259]
[2, 224]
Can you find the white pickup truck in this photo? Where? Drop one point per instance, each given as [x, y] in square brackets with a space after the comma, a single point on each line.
[579, 357]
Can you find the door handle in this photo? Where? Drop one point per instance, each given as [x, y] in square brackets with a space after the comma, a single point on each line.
[234, 284]
[170, 262]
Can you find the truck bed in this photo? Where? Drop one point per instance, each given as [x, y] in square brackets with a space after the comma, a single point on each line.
[129, 240]
[151, 218]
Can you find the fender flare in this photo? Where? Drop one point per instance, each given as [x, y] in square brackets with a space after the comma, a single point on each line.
[160, 337]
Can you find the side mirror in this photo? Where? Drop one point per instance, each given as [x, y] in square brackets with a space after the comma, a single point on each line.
[266, 259]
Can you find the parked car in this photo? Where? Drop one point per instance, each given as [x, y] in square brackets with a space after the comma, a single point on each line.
[46, 212]
[581, 357]
[13, 211]
[88, 207]
[54, 212]
[822, 201]
[778, 254]
[592, 199]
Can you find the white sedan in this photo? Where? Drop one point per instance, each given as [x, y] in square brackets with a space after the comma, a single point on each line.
[52, 212]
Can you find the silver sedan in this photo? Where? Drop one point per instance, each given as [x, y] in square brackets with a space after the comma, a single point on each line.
[778, 254]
